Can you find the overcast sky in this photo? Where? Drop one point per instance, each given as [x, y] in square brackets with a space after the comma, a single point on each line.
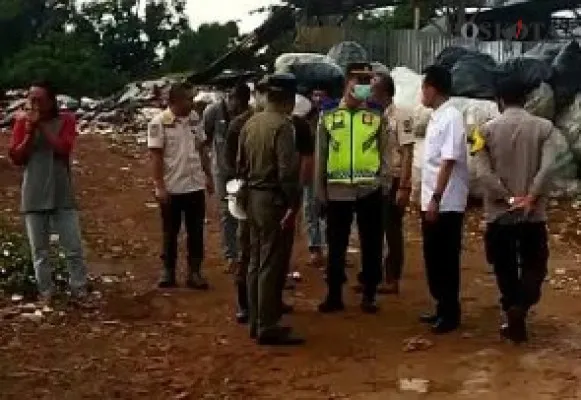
[205, 11]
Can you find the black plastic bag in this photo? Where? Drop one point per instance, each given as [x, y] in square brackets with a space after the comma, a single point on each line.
[326, 76]
[450, 56]
[567, 78]
[474, 75]
[530, 71]
[545, 52]
[345, 53]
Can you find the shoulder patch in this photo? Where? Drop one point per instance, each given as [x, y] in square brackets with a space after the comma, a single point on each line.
[476, 141]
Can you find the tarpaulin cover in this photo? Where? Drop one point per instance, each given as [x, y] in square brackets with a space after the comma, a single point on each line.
[474, 75]
[567, 76]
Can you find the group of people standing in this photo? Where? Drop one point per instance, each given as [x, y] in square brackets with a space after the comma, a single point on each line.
[337, 159]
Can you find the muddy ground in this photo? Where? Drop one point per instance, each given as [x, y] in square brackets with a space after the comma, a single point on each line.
[146, 344]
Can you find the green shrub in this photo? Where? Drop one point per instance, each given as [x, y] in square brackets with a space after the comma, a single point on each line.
[16, 268]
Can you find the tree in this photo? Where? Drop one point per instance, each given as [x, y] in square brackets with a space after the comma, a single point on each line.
[196, 49]
[134, 42]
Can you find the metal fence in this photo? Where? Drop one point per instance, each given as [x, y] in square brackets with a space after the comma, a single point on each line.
[417, 50]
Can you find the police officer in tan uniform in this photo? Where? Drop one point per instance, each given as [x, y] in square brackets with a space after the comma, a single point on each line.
[269, 163]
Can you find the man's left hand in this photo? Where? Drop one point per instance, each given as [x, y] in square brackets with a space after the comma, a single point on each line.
[433, 211]
[524, 203]
[402, 198]
[210, 188]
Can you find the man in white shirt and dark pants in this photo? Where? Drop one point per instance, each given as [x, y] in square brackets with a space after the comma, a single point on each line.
[181, 174]
[444, 194]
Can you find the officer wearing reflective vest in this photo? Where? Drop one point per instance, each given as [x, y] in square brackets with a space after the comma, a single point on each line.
[350, 156]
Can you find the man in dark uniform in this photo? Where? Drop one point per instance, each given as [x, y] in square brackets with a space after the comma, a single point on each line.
[269, 163]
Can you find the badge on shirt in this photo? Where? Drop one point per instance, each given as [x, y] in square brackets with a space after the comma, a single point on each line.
[338, 121]
[407, 126]
[367, 119]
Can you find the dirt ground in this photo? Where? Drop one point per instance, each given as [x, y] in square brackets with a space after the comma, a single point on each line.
[147, 344]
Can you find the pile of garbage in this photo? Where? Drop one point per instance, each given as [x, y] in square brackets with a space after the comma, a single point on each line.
[325, 71]
[554, 92]
[126, 112]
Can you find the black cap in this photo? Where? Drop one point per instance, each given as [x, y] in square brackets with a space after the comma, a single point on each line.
[281, 82]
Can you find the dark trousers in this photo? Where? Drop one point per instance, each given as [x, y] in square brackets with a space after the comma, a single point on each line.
[442, 245]
[243, 236]
[393, 226]
[268, 260]
[191, 206]
[519, 254]
[369, 224]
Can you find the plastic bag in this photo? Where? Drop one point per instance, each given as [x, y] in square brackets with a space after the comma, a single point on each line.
[450, 56]
[312, 71]
[474, 75]
[378, 67]
[408, 91]
[284, 62]
[408, 87]
[545, 52]
[530, 71]
[567, 79]
[541, 102]
[347, 52]
[569, 121]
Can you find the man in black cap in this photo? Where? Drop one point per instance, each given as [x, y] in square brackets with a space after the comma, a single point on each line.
[350, 153]
[269, 163]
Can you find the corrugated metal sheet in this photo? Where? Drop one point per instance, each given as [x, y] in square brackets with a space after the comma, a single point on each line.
[416, 50]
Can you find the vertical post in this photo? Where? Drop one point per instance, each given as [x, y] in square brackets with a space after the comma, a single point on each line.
[417, 15]
[417, 18]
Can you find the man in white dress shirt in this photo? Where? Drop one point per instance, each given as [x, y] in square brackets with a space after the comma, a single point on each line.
[181, 174]
[444, 194]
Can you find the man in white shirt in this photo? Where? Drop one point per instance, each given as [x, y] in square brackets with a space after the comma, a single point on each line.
[444, 194]
[181, 173]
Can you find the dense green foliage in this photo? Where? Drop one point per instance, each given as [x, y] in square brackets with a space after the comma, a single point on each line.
[93, 47]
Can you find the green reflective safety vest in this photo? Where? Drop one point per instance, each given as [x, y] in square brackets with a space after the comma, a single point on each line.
[353, 155]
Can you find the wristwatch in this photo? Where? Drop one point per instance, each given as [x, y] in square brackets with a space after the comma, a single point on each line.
[510, 201]
[437, 197]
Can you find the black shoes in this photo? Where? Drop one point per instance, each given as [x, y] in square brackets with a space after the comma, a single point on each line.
[331, 306]
[428, 318]
[443, 326]
[440, 325]
[515, 329]
[168, 279]
[281, 336]
[197, 282]
[242, 317]
[369, 306]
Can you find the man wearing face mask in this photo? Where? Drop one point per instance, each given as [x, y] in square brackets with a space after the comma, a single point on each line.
[216, 119]
[349, 151]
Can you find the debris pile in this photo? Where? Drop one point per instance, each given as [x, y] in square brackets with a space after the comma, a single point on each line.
[126, 112]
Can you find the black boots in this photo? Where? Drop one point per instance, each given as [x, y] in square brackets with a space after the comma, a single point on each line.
[333, 302]
[168, 279]
[195, 279]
